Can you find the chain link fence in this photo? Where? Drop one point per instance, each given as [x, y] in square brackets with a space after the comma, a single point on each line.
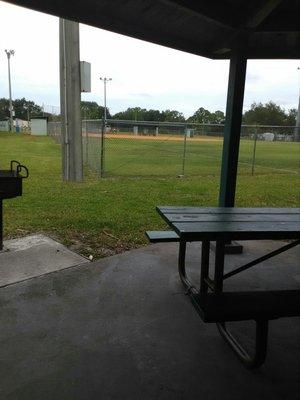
[150, 148]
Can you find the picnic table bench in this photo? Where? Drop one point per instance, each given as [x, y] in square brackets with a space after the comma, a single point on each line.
[221, 225]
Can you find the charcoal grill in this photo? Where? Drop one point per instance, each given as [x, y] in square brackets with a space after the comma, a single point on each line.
[10, 186]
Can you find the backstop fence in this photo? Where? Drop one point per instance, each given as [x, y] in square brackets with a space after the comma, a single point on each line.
[151, 148]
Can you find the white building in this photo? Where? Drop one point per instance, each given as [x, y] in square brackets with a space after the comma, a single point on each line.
[39, 126]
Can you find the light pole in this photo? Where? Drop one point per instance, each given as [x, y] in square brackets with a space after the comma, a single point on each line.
[10, 53]
[28, 116]
[104, 80]
[85, 109]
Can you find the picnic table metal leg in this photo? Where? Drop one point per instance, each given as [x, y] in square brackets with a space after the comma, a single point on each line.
[261, 334]
[181, 259]
[261, 341]
[181, 265]
[261, 338]
[219, 266]
[204, 266]
[181, 269]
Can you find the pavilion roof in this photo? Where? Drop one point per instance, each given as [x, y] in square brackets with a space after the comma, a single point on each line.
[207, 28]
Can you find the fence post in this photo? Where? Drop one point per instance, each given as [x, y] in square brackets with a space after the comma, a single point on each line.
[184, 153]
[254, 151]
[86, 144]
[102, 166]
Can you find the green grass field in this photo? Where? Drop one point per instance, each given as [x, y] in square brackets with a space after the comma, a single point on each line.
[150, 158]
[102, 217]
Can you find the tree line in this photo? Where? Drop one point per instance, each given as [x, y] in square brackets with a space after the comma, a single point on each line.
[261, 114]
[22, 108]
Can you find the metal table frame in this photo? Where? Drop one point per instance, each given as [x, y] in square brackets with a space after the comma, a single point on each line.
[216, 284]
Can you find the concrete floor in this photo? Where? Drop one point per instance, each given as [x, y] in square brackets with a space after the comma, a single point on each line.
[122, 328]
[34, 255]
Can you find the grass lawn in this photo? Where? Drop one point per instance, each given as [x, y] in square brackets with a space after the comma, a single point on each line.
[164, 158]
[102, 217]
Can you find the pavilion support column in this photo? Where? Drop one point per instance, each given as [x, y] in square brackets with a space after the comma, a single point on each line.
[297, 127]
[232, 130]
[72, 162]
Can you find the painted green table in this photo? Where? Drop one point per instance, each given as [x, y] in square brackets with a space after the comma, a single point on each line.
[222, 225]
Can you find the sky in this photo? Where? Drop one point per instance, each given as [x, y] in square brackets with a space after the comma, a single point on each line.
[143, 74]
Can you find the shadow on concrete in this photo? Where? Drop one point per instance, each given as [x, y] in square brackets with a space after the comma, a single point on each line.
[122, 328]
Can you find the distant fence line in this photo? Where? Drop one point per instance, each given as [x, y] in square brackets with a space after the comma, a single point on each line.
[130, 145]
[155, 128]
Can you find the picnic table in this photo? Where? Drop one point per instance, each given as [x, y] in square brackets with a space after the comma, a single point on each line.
[222, 225]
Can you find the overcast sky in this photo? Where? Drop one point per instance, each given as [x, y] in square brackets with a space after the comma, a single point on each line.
[143, 74]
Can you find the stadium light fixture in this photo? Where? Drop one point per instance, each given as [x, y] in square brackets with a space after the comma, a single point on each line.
[10, 53]
[102, 156]
[105, 80]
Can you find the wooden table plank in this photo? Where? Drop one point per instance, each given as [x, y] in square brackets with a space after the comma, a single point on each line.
[221, 223]
[225, 210]
[232, 217]
[236, 230]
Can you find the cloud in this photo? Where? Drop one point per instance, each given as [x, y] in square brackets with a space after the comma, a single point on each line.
[252, 78]
[141, 95]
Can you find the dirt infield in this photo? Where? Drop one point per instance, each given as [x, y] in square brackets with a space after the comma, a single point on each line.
[155, 138]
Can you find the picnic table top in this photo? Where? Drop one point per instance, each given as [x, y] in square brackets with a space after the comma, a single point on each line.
[232, 223]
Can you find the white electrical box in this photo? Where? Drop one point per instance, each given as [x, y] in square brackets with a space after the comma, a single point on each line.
[85, 76]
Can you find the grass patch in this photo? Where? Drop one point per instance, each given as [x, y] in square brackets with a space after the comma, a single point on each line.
[103, 217]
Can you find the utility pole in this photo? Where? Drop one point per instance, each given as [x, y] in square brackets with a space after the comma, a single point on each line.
[27, 108]
[72, 163]
[105, 80]
[10, 53]
[104, 125]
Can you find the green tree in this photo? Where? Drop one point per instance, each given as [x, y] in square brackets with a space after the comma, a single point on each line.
[291, 117]
[91, 110]
[218, 117]
[24, 107]
[4, 108]
[201, 116]
[172, 116]
[132, 114]
[21, 107]
[153, 115]
[265, 114]
[142, 114]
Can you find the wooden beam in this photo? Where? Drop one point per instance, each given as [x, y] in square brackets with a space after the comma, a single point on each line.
[262, 13]
[219, 12]
[232, 130]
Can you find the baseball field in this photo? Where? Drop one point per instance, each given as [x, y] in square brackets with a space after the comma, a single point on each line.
[167, 155]
[101, 217]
